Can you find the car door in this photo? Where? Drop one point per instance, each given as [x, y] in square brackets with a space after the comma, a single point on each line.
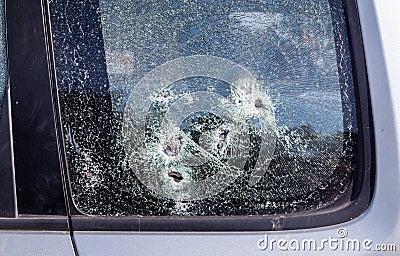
[220, 128]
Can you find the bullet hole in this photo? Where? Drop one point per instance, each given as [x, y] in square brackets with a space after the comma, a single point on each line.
[258, 103]
[222, 139]
[176, 176]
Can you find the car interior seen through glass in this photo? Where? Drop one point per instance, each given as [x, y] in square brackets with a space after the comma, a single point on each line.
[205, 108]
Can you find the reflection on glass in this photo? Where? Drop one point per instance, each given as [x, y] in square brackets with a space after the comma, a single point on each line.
[215, 108]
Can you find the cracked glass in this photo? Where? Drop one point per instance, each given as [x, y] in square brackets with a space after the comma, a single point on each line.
[205, 108]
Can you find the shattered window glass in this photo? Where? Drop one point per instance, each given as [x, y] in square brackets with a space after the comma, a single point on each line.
[3, 61]
[205, 107]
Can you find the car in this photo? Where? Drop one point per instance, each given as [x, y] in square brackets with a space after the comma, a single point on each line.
[199, 128]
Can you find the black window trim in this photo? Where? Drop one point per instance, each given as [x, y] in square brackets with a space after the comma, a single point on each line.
[7, 182]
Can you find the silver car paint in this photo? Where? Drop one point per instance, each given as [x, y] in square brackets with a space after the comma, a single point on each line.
[380, 223]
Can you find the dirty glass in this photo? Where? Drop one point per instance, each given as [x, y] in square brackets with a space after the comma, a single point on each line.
[3, 64]
[205, 108]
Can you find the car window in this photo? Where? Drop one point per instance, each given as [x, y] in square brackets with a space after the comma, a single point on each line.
[205, 107]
